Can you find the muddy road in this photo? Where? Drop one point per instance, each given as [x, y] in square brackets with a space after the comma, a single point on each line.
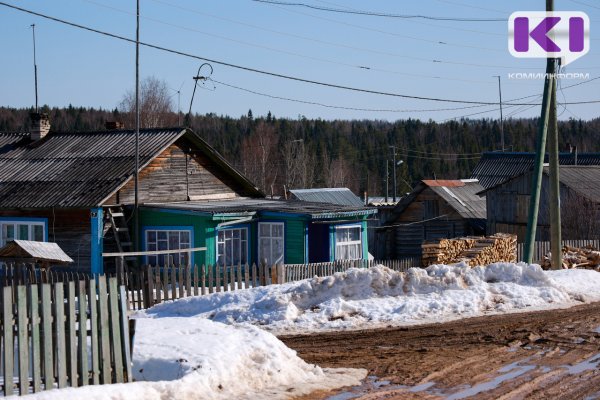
[540, 355]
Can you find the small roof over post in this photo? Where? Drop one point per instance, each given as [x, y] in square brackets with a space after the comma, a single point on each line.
[29, 251]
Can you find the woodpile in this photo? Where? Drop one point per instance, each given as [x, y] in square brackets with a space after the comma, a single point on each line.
[574, 257]
[471, 250]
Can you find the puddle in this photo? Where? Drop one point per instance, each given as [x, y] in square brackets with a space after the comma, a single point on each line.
[510, 371]
[372, 384]
[585, 365]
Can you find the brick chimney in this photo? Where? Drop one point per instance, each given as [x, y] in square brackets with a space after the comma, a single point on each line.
[40, 125]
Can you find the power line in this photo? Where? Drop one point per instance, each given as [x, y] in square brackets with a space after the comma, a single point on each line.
[268, 73]
[287, 52]
[379, 14]
[341, 45]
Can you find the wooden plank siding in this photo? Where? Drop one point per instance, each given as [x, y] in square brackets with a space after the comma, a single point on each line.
[167, 178]
[69, 228]
[415, 225]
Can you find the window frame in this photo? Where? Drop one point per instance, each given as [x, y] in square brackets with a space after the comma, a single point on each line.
[232, 228]
[354, 242]
[29, 221]
[259, 237]
[145, 241]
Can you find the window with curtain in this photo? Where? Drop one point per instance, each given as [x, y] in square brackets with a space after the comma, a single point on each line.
[22, 230]
[348, 242]
[271, 242]
[164, 239]
[232, 246]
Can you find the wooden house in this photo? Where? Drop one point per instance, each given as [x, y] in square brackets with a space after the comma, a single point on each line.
[77, 189]
[494, 168]
[434, 209]
[508, 204]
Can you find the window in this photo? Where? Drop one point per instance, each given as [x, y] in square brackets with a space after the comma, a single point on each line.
[270, 242]
[348, 243]
[232, 246]
[22, 230]
[166, 239]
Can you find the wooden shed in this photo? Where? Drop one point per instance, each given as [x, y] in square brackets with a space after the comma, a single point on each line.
[434, 209]
[28, 251]
[508, 204]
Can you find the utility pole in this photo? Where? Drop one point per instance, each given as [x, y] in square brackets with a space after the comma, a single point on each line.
[501, 116]
[387, 180]
[394, 172]
[35, 70]
[136, 227]
[548, 117]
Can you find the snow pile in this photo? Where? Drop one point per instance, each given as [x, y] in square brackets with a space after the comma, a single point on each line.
[194, 358]
[363, 298]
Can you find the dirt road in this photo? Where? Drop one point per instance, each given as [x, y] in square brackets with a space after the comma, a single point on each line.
[540, 355]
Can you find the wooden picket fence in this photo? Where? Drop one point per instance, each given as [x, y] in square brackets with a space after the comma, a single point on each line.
[61, 335]
[153, 285]
[540, 249]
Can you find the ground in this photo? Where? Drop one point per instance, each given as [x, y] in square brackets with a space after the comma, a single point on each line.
[536, 355]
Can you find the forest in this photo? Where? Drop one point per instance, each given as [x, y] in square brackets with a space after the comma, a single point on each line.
[304, 153]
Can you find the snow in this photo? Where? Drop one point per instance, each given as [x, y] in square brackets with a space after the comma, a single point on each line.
[219, 346]
[370, 298]
[194, 358]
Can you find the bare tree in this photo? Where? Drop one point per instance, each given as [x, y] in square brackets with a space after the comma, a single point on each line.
[156, 108]
[258, 156]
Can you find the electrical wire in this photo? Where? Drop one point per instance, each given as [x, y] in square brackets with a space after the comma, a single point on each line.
[341, 45]
[269, 73]
[379, 14]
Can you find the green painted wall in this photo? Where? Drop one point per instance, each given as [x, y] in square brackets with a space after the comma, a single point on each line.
[204, 230]
[295, 240]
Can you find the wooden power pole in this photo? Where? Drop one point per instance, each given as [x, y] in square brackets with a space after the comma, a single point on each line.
[548, 119]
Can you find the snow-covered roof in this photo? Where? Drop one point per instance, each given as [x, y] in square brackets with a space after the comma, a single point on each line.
[40, 251]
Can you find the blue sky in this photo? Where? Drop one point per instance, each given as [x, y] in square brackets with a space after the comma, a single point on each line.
[85, 69]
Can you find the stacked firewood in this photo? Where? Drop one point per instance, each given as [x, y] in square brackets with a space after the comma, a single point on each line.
[445, 251]
[471, 250]
[500, 247]
[574, 257]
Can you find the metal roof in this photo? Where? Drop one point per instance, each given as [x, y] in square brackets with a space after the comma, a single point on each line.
[584, 180]
[341, 196]
[41, 251]
[244, 206]
[497, 167]
[82, 169]
[463, 198]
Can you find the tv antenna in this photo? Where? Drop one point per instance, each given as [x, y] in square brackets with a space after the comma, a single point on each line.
[178, 92]
[197, 78]
[35, 70]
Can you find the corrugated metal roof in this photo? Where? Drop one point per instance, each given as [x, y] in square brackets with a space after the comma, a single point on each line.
[43, 251]
[341, 196]
[495, 168]
[584, 180]
[244, 205]
[464, 199]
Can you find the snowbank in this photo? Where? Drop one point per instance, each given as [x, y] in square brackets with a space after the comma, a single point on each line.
[194, 358]
[361, 298]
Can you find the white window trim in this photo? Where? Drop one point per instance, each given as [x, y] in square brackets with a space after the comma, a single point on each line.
[246, 249]
[270, 237]
[353, 242]
[15, 223]
[156, 230]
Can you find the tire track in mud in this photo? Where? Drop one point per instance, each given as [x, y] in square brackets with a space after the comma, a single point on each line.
[538, 355]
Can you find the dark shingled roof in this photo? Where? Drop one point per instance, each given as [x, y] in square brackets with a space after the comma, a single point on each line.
[495, 168]
[82, 169]
[341, 196]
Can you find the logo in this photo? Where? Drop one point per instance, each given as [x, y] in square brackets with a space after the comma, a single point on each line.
[539, 34]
